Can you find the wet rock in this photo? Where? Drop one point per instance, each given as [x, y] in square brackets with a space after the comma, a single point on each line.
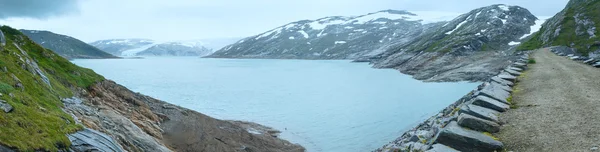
[477, 124]
[480, 112]
[467, 140]
[91, 140]
[490, 103]
[73, 100]
[441, 148]
[5, 106]
[502, 81]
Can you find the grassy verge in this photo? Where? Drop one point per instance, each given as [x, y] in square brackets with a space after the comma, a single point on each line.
[37, 121]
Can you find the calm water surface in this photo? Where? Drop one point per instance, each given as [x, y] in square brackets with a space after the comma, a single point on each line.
[327, 106]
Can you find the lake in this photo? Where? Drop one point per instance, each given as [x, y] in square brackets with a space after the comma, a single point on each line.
[328, 106]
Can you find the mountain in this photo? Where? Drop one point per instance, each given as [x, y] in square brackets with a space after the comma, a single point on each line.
[575, 26]
[335, 37]
[473, 46]
[176, 49]
[66, 46]
[146, 47]
[49, 104]
[120, 47]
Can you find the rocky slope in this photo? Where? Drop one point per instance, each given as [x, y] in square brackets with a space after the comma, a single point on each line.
[146, 47]
[66, 46]
[575, 26]
[49, 104]
[473, 46]
[335, 37]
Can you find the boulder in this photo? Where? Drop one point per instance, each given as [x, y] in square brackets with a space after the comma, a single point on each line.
[490, 103]
[91, 140]
[502, 81]
[512, 72]
[494, 92]
[480, 112]
[519, 65]
[515, 69]
[501, 86]
[597, 65]
[467, 140]
[507, 76]
[441, 148]
[477, 124]
[589, 61]
[5, 106]
[570, 55]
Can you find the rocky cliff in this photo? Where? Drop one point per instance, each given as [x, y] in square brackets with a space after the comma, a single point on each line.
[473, 46]
[49, 104]
[66, 46]
[336, 37]
[575, 26]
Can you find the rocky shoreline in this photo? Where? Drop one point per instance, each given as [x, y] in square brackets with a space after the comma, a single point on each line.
[467, 124]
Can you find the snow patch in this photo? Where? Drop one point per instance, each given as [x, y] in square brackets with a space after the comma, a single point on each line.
[340, 42]
[514, 43]
[458, 26]
[478, 34]
[348, 27]
[504, 7]
[291, 38]
[534, 28]
[303, 33]
[277, 30]
[320, 25]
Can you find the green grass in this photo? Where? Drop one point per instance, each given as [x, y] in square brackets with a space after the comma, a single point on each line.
[37, 121]
[531, 61]
[567, 35]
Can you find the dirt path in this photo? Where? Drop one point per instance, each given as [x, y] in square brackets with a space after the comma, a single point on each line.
[558, 107]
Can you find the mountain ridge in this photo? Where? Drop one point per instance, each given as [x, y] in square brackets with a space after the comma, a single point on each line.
[66, 46]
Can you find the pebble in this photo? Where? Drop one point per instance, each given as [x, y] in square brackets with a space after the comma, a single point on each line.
[594, 148]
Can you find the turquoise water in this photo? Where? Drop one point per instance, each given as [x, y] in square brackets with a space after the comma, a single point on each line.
[326, 106]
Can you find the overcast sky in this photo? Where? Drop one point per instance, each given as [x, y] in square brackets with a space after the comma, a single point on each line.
[167, 20]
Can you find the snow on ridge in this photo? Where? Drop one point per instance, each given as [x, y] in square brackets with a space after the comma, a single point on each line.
[320, 25]
[340, 42]
[303, 33]
[513, 43]
[291, 38]
[269, 33]
[458, 26]
[536, 27]
[504, 7]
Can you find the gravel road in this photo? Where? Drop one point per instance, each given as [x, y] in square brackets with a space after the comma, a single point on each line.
[558, 107]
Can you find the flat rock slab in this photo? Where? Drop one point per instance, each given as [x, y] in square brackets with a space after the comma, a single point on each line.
[589, 61]
[441, 148]
[507, 77]
[494, 92]
[467, 140]
[490, 103]
[477, 124]
[516, 69]
[480, 112]
[513, 72]
[501, 86]
[519, 65]
[597, 65]
[502, 81]
[91, 140]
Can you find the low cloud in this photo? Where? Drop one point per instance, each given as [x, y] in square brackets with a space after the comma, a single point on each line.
[39, 9]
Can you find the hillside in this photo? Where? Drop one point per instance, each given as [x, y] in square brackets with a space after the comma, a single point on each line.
[575, 26]
[471, 47]
[334, 37]
[66, 46]
[50, 104]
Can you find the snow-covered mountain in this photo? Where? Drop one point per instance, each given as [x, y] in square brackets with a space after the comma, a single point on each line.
[146, 47]
[473, 46]
[335, 37]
